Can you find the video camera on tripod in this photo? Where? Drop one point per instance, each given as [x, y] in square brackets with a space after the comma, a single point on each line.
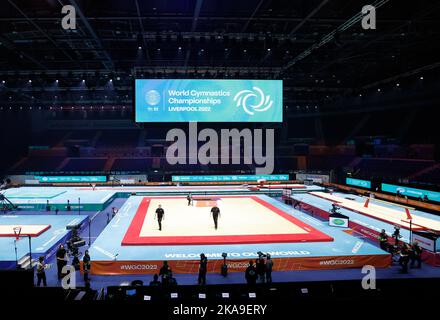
[75, 242]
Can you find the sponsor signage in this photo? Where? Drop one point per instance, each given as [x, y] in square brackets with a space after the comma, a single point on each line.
[358, 183]
[231, 178]
[66, 179]
[411, 192]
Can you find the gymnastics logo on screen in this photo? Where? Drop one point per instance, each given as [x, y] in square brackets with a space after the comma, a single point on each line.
[184, 100]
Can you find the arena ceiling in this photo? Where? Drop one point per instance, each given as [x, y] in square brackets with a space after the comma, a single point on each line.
[317, 47]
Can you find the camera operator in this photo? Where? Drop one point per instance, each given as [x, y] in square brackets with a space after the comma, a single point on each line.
[396, 235]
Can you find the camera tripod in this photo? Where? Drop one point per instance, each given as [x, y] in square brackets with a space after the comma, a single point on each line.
[5, 204]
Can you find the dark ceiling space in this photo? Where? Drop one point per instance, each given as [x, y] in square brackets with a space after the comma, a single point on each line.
[317, 47]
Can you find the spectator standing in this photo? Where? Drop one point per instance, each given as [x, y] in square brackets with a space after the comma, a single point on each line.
[251, 274]
[269, 268]
[203, 269]
[41, 272]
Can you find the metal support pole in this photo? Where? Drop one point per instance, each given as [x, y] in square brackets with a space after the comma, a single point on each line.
[30, 252]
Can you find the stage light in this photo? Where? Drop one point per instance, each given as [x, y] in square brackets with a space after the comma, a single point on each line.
[421, 78]
[3, 81]
[268, 49]
[139, 48]
[111, 80]
[30, 81]
[202, 295]
[180, 48]
[398, 85]
[304, 290]
[252, 295]
[225, 295]
[360, 94]
[147, 298]
[174, 295]
[56, 80]
[378, 90]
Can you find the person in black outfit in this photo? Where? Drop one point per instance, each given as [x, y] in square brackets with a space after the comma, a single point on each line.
[269, 268]
[68, 207]
[160, 213]
[261, 269]
[189, 198]
[203, 269]
[416, 255]
[155, 282]
[86, 265]
[396, 235]
[164, 273]
[61, 260]
[383, 240]
[47, 205]
[251, 274]
[41, 272]
[215, 214]
[404, 258]
[172, 282]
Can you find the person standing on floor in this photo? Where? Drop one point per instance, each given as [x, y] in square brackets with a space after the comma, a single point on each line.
[404, 258]
[190, 199]
[164, 273]
[251, 274]
[215, 211]
[416, 255]
[261, 269]
[269, 267]
[383, 240]
[61, 256]
[41, 272]
[86, 265]
[160, 213]
[203, 269]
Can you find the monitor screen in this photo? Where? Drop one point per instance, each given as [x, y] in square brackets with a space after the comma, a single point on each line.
[186, 100]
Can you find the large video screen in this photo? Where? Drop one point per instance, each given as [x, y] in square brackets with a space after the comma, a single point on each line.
[186, 100]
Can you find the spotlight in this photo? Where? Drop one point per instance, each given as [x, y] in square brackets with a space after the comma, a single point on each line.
[139, 48]
[111, 80]
[268, 49]
[56, 80]
[398, 85]
[30, 81]
[180, 48]
[421, 78]
[378, 90]
[3, 81]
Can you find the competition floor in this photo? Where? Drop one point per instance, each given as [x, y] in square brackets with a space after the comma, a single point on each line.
[46, 232]
[36, 197]
[243, 219]
[112, 256]
[395, 215]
